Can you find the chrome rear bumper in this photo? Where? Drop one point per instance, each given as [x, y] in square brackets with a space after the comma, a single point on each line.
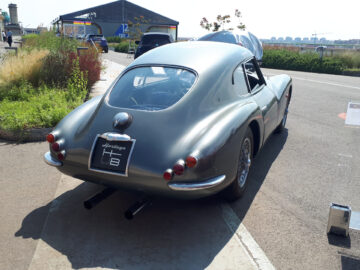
[186, 186]
[52, 161]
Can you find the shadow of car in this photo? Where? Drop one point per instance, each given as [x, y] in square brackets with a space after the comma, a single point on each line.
[152, 40]
[99, 40]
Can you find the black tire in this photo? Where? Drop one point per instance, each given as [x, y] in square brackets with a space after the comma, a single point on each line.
[106, 49]
[237, 188]
[281, 127]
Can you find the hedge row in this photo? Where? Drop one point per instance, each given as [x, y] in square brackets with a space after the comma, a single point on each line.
[115, 39]
[284, 59]
[123, 46]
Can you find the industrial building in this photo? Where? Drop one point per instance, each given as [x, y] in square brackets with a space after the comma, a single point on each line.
[118, 18]
[10, 23]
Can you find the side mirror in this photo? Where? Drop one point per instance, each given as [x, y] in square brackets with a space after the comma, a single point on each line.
[137, 42]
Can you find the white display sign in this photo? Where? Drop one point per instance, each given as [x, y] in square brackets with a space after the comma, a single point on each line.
[353, 114]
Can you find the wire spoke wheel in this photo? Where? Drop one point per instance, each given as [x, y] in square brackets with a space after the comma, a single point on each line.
[244, 162]
[238, 186]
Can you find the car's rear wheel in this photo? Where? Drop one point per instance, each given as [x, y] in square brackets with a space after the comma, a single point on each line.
[237, 188]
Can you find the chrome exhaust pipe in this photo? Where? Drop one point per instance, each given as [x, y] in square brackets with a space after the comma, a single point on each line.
[136, 208]
[98, 198]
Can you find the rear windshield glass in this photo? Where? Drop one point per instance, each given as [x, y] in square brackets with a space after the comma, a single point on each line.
[96, 37]
[155, 40]
[151, 88]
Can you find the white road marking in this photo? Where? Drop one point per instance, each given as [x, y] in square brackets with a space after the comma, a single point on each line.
[253, 250]
[345, 155]
[316, 81]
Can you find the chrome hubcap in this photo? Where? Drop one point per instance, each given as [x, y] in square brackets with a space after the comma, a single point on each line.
[244, 162]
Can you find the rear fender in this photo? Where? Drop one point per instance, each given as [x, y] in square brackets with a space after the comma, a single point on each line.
[216, 140]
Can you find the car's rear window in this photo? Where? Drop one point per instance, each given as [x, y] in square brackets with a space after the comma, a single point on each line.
[95, 37]
[151, 88]
[155, 40]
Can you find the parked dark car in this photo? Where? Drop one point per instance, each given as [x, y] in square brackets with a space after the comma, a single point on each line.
[152, 40]
[242, 38]
[184, 120]
[99, 40]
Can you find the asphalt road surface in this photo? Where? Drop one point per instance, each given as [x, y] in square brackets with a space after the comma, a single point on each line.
[293, 181]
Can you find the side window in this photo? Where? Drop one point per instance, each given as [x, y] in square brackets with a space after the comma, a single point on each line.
[240, 86]
[253, 75]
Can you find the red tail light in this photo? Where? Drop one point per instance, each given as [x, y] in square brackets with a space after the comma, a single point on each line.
[55, 147]
[50, 138]
[191, 161]
[168, 174]
[179, 167]
[61, 155]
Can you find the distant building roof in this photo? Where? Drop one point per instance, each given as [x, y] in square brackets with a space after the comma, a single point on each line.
[121, 10]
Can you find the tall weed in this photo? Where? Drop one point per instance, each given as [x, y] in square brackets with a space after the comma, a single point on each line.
[77, 84]
[89, 64]
[24, 66]
[351, 59]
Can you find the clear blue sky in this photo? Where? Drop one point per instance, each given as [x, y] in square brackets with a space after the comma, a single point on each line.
[280, 18]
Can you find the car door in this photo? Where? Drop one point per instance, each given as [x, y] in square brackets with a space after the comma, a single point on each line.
[263, 95]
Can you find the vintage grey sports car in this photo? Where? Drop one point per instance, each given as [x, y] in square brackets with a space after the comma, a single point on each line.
[184, 120]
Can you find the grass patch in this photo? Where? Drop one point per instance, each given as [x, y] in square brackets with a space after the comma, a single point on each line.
[24, 106]
[43, 110]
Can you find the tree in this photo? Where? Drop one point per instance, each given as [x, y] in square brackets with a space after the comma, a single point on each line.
[222, 22]
[135, 29]
[240, 26]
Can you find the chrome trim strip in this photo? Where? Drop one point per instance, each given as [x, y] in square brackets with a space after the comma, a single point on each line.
[186, 186]
[110, 136]
[51, 161]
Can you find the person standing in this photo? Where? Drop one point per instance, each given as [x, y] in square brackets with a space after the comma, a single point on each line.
[3, 35]
[9, 37]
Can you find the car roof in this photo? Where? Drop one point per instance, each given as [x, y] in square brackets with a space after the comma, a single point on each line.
[197, 55]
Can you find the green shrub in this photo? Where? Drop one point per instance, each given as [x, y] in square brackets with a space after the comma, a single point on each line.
[77, 84]
[56, 69]
[22, 90]
[115, 39]
[351, 59]
[43, 110]
[49, 40]
[123, 46]
[291, 60]
[90, 65]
